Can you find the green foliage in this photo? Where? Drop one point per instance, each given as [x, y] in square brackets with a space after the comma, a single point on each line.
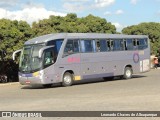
[151, 29]
[13, 34]
[71, 23]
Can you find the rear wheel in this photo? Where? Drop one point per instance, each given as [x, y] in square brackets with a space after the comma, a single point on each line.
[127, 73]
[67, 79]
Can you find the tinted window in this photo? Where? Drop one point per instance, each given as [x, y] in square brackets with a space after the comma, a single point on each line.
[87, 45]
[103, 46]
[57, 43]
[117, 45]
[111, 45]
[76, 46]
[97, 45]
[135, 44]
[142, 44]
[49, 57]
[71, 47]
[129, 44]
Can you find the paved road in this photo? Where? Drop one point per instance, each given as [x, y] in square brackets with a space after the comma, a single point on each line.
[140, 93]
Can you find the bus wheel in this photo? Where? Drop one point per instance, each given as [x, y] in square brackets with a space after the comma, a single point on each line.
[127, 73]
[67, 79]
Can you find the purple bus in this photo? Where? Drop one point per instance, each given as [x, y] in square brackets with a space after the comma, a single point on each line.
[69, 57]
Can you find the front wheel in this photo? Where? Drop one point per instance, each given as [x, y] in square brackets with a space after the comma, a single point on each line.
[67, 79]
[127, 73]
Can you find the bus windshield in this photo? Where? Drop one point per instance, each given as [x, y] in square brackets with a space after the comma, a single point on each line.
[29, 60]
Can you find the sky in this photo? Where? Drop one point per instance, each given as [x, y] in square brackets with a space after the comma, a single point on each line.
[121, 13]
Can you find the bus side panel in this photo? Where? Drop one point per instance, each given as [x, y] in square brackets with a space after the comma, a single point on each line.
[69, 63]
[105, 64]
[96, 65]
[49, 75]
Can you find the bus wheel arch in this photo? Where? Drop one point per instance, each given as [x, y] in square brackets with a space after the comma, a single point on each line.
[128, 71]
[68, 78]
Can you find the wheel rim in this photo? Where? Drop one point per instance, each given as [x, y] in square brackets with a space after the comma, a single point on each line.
[67, 79]
[128, 73]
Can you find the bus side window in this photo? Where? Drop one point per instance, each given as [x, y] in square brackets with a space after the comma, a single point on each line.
[135, 44]
[146, 43]
[108, 45]
[125, 45]
[118, 45]
[94, 49]
[129, 44]
[121, 44]
[76, 46]
[115, 43]
[69, 47]
[48, 57]
[142, 44]
[57, 45]
[111, 45]
[98, 45]
[103, 46]
[87, 45]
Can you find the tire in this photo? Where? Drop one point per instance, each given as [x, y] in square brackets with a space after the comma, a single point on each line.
[67, 79]
[127, 73]
[47, 85]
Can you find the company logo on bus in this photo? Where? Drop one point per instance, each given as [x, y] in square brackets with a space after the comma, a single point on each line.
[28, 82]
[136, 57]
[73, 60]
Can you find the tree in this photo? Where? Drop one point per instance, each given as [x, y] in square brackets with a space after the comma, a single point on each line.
[151, 29]
[13, 34]
[72, 24]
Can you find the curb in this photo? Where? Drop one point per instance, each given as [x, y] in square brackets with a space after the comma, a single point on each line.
[6, 84]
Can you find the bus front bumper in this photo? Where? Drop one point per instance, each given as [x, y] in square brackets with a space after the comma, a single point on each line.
[29, 81]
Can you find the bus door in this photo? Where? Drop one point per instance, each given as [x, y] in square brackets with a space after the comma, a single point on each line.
[48, 58]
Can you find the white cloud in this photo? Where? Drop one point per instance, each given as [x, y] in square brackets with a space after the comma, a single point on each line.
[119, 26]
[119, 12]
[103, 3]
[73, 7]
[28, 14]
[81, 5]
[76, 0]
[30, 4]
[134, 2]
[8, 3]
[107, 13]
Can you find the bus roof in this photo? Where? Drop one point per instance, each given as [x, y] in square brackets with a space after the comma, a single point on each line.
[48, 37]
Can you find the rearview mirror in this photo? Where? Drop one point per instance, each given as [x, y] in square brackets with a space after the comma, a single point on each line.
[14, 53]
[42, 49]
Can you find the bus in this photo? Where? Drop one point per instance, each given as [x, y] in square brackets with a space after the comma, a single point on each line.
[68, 57]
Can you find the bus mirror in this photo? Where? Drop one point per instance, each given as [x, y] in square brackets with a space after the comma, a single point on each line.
[14, 53]
[42, 49]
[40, 53]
